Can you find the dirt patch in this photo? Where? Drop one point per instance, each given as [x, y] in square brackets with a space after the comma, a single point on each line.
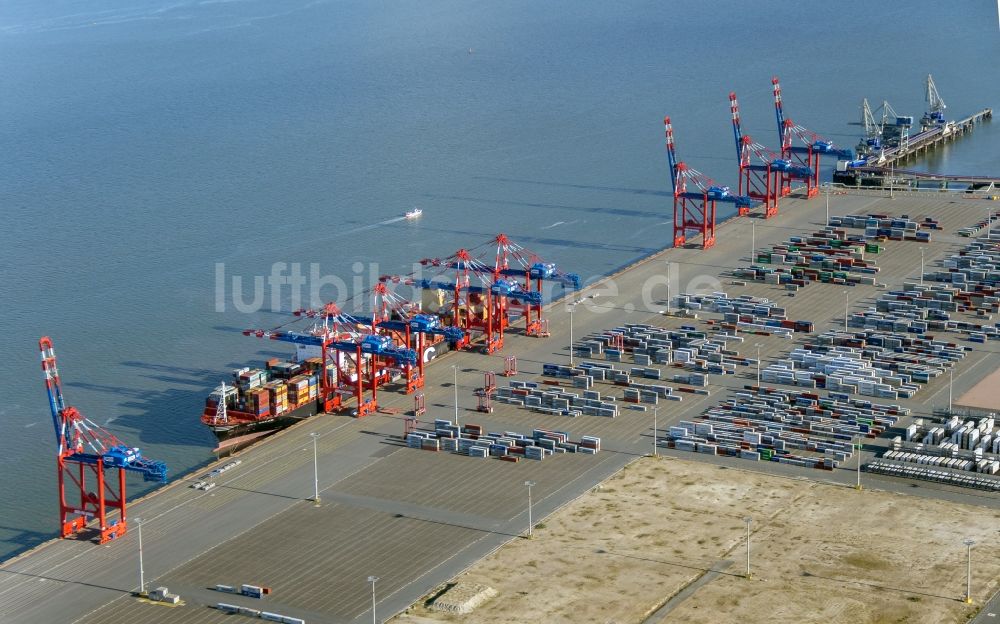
[819, 553]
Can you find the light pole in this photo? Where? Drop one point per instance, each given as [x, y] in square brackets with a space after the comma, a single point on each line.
[921, 267]
[968, 570]
[892, 176]
[530, 484]
[847, 308]
[454, 367]
[142, 576]
[951, 381]
[655, 452]
[748, 521]
[827, 205]
[315, 436]
[753, 240]
[571, 308]
[758, 364]
[668, 285]
[857, 445]
[373, 580]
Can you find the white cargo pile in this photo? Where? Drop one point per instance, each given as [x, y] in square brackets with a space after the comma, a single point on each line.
[951, 443]
[746, 312]
[558, 402]
[162, 594]
[938, 475]
[966, 285]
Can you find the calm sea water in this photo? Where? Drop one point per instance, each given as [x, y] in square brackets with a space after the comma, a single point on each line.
[142, 142]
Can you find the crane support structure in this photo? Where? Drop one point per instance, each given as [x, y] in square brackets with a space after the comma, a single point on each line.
[761, 170]
[396, 317]
[805, 155]
[368, 352]
[87, 450]
[694, 209]
[483, 295]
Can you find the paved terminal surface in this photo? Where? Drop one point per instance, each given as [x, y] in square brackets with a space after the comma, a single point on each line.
[415, 519]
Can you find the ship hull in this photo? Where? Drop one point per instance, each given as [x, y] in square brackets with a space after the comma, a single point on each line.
[239, 427]
[241, 423]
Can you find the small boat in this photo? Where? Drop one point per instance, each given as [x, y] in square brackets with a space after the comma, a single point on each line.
[413, 214]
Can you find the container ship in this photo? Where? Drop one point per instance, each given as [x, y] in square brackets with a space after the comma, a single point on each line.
[264, 399]
[282, 393]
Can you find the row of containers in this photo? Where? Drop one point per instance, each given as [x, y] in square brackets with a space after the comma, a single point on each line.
[974, 230]
[745, 313]
[281, 387]
[786, 426]
[267, 616]
[950, 443]
[883, 226]
[646, 345]
[934, 474]
[969, 284]
[474, 441]
[869, 363]
[687, 347]
[829, 256]
[547, 399]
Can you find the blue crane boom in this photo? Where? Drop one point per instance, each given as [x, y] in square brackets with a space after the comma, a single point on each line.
[84, 441]
[806, 154]
[371, 344]
[506, 288]
[538, 270]
[746, 146]
[424, 324]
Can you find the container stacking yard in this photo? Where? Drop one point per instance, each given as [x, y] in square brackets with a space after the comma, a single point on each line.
[415, 518]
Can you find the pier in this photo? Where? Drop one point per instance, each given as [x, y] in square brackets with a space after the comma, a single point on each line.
[919, 143]
[881, 170]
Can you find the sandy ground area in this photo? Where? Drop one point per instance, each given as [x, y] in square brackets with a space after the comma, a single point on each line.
[985, 394]
[820, 553]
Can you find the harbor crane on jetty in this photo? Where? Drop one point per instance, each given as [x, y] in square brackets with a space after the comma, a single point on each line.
[760, 181]
[871, 143]
[935, 107]
[85, 448]
[807, 154]
[891, 131]
[694, 210]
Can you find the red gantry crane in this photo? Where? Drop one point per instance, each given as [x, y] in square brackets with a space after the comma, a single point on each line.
[401, 320]
[694, 210]
[482, 295]
[761, 181]
[85, 448]
[355, 346]
[805, 155]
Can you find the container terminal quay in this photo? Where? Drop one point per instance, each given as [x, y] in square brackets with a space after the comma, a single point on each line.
[415, 519]
[847, 336]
